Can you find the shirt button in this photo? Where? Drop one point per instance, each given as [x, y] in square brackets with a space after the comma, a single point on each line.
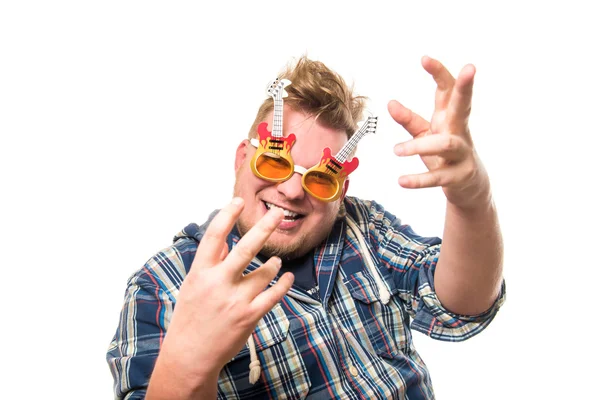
[353, 371]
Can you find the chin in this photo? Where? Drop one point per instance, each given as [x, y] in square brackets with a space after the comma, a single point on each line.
[285, 251]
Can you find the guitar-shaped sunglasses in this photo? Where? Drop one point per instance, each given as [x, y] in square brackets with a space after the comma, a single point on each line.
[325, 180]
[273, 162]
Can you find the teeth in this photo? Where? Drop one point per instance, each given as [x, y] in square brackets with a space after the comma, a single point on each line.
[286, 213]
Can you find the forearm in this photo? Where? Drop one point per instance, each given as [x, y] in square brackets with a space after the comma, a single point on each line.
[469, 271]
[170, 380]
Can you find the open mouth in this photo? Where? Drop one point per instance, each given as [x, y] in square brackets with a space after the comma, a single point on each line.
[289, 216]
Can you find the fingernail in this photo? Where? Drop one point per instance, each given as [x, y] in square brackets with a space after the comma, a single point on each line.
[399, 149]
[277, 261]
[237, 201]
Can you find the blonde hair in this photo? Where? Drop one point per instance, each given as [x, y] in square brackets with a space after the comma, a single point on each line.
[319, 92]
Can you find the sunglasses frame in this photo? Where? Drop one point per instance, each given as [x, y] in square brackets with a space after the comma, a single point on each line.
[302, 171]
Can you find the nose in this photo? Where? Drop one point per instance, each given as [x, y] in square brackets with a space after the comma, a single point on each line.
[292, 188]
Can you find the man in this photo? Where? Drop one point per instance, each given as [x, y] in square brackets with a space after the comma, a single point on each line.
[242, 327]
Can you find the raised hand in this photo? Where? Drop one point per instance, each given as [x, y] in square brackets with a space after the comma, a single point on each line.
[445, 143]
[218, 307]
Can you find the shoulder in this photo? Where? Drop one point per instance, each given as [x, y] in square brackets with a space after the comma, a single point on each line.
[368, 214]
[164, 271]
[380, 224]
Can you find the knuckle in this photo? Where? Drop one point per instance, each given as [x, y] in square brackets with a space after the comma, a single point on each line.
[267, 271]
[213, 233]
[271, 296]
[470, 171]
[436, 180]
[450, 143]
[266, 227]
[467, 111]
[273, 269]
[244, 252]
[192, 279]
[275, 294]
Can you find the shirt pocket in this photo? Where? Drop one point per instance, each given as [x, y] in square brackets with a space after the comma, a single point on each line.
[283, 372]
[386, 324]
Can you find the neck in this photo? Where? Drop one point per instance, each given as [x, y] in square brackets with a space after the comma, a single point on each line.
[278, 118]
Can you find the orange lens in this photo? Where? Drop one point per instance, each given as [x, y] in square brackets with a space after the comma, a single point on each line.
[273, 166]
[320, 184]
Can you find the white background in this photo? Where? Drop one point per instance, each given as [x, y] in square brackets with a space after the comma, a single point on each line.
[119, 122]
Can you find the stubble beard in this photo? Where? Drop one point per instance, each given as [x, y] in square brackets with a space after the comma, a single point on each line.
[301, 243]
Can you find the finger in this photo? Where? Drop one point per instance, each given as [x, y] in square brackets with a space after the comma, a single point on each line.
[257, 280]
[450, 147]
[459, 107]
[266, 300]
[413, 123]
[211, 246]
[445, 176]
[249, 245]
[443, 78]
[224, 252]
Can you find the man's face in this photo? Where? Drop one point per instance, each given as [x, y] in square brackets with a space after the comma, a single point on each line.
[297, 234]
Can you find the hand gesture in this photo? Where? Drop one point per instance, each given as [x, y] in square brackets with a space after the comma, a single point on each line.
[445, 143]
[218, 307]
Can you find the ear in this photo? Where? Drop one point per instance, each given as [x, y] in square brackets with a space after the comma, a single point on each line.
[345, 189]
[241, 153]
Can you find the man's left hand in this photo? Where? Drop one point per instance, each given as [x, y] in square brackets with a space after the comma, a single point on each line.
[445, 144]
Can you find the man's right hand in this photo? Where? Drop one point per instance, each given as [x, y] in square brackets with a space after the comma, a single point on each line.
[218, 307]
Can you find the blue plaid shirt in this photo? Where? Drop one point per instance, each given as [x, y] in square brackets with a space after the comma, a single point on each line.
[348, 344]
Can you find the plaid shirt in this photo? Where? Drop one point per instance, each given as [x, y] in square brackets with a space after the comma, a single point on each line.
[348, 345]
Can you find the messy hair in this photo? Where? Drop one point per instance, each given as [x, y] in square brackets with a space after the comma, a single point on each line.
[319, 92]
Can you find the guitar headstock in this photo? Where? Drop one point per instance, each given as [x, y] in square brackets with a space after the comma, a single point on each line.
[276, 88]
[369, 126]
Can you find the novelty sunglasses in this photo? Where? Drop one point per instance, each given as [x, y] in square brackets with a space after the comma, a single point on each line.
[272, 162]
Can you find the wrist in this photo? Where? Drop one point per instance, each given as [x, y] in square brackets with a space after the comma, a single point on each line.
[175, 378]
[472, 197]
[478, 204]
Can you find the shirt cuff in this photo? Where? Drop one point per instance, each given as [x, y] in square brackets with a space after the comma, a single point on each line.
[433, 320]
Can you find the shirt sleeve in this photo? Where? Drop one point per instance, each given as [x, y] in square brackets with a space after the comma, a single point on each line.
[410, 261]
[432, 319]
[143, 322]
